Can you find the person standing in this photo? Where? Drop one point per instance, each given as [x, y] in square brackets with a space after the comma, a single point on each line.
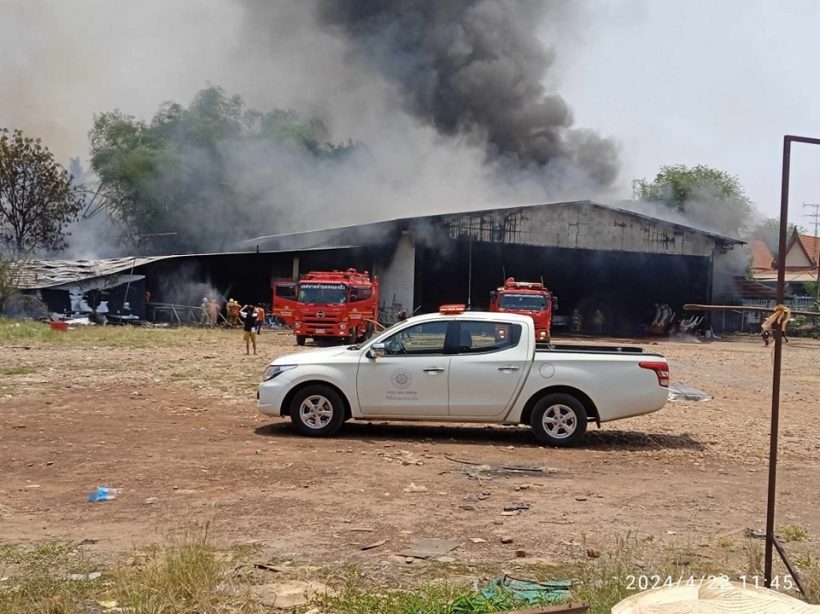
[577, 321]
[204, 316]
[213, 307]
[260, 318]
[599, 320]
[248, 315]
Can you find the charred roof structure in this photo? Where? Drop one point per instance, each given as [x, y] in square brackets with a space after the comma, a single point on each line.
[591, 255]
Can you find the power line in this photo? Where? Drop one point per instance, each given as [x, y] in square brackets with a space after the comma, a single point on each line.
[816, 217]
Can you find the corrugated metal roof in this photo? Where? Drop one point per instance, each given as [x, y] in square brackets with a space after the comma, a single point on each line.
[368, 232]
[39, 274]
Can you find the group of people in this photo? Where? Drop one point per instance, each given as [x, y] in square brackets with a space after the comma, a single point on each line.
[210, 312]
[598, 319]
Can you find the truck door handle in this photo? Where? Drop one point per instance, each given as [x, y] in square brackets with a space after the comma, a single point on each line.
[509, 368]
[434, 370]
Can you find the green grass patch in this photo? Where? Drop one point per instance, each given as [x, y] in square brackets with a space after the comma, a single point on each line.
[21, 370]
[13, 332]
[793, 533]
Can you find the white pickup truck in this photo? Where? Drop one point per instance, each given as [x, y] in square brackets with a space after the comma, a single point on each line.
[465, 367]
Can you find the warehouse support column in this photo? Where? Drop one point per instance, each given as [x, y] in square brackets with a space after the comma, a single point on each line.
[295, 274]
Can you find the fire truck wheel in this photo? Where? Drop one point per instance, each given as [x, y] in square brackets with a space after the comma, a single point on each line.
[317, 411]
[300, 340]
[559, 420]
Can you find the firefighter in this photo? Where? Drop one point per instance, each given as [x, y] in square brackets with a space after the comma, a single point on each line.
[599, 320]
[204, 317]
[402, 316]
[577, 321]
[213, 309]
[248, 315]
[260, 318]
[233, 312]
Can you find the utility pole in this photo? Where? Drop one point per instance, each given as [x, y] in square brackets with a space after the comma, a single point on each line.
[816, 217]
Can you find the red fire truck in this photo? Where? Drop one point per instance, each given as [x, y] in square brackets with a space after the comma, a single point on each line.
[328, 304]
[529, 298]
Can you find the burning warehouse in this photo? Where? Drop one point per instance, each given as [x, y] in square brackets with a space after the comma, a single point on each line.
[593, 257]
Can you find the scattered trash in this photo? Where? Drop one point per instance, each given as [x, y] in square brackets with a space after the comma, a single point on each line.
[532, 593]
[361, 529]
[289, 594]
[414, 488]
[150, 500]
[580, 498]
[467, 507]
[88, 542]
[685, 392]
[108, 604]
[506, 540]
[445, 559]
[520, 554]
[514, 507]
[429, 547]
[593, 553]
[478, 540]
[381, 542]
[94, 575]
[755, 533]
[269, 567]
[103, 493]
[479, 497]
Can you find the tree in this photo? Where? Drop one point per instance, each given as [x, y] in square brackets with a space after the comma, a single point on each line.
[706, 196]
[176, 176]
[37, 198]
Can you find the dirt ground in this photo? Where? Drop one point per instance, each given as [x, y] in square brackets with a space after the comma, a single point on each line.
[174, 424]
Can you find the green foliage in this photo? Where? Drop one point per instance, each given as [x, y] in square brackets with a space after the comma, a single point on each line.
[705, 195]
[37, 198]
[175, 176]
[810, 287]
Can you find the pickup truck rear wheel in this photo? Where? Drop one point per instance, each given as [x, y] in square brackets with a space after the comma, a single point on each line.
[317, 411]
[559, 420]
[300, 340]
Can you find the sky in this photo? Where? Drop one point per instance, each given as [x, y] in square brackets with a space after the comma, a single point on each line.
[686, 82]
[703, 82]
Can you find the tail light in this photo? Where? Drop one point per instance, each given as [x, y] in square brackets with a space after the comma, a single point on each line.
[660, 368]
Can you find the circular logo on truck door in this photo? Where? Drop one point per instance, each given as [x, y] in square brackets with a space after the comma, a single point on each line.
[401, 379]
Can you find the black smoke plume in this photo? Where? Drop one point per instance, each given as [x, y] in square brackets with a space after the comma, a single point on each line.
[476, 67]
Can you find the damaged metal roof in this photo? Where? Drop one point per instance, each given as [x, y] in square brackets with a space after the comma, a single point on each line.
[38, 274]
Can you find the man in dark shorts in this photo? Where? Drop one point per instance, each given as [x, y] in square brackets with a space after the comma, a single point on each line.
[248, 315]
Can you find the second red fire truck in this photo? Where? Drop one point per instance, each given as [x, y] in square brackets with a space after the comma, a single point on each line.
[529, 298]
[340, 305]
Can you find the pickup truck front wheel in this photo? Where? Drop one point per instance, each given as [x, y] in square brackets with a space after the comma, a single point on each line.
[559, 420]
[317, 411]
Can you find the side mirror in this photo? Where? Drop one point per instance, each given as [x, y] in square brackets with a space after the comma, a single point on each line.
[554, 303]
[376, 351]
[493, 294]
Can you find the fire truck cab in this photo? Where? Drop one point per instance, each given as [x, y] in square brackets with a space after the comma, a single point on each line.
[528, 298]
[328, 304]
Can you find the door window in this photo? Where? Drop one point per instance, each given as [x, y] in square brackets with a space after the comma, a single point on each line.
[420, 339]
[478, 337]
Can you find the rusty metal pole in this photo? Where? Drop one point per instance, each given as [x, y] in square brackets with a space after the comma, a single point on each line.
[778, 354]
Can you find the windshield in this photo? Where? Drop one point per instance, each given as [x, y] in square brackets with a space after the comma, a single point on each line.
[524, 302]
[323, 294]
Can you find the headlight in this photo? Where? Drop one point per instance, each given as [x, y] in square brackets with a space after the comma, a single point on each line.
[342, 326]
[274, 370]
